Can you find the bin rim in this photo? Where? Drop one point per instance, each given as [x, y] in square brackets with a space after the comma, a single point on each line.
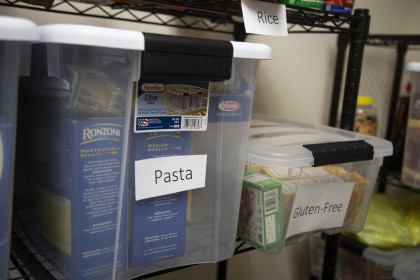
[251, 50]
[284, 148]
[17, 29]
[413, 66]
[389, 257]
[407, 269]
[88, 35]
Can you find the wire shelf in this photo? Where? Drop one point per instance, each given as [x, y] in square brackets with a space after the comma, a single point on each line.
[215, 16]
[389, 40]
[27, 263]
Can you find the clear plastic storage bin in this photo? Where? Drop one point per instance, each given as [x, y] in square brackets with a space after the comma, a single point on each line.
[410, 174]
[72, 145]
[358, 261]
[409, 269]
[327, 175]
[185, 166]
[16, 35]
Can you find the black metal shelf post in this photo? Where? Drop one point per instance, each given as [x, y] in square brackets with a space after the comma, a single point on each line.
[219, 16]
[342, 42]
[354, 66]
[357, 39]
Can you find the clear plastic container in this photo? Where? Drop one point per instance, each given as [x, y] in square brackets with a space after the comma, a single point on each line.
[366, 120]
[72, 146]
[200, 99]
[411, 161]
[409, 269]
[398, 132]
[16, 36]
[389, 257]
[176, 100]
[327, 174]
[197, 225]
[355, 262]
[193, 101]
[186, 101]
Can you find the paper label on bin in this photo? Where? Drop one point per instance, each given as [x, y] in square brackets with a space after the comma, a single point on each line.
[264, 18]
[171, 106]
[166, 175]
[319, 206]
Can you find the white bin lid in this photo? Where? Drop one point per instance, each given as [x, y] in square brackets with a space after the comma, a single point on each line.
[413, 66]
[17, 29]
[94, 36]
[251, 50]
[279, 143]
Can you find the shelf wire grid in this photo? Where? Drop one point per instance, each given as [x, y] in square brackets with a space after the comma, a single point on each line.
[26, 262]
[215, 15]
[388, 40]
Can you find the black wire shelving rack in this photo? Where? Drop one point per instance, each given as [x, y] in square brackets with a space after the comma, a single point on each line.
[216, 16]
[224, 16]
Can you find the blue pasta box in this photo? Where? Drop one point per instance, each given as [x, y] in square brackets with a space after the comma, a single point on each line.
[72, 143]
[75, 195]
[6, 172]
[157, 225]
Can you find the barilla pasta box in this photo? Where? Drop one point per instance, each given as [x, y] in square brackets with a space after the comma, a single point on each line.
[157, 225]
[260, 215]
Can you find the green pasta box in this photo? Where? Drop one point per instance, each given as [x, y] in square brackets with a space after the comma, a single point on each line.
[260, 215]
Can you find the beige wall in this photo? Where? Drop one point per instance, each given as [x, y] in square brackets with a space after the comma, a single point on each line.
[295, 84]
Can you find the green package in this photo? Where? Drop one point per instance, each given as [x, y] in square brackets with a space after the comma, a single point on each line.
[260, 215]
[316, 4]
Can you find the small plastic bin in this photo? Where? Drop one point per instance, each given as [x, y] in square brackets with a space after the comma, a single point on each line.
[358, 261]
[72, 143]
[16, 36]
[410, 174]
[185, 167]
[409, 269]
[327, 175]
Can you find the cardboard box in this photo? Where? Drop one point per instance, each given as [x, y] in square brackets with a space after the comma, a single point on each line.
[74, 187]
[157, 226]
[260, 215]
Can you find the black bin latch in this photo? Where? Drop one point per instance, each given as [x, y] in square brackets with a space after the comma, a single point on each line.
[340, 152]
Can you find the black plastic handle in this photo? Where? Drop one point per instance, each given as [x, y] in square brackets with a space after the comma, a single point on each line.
[340, 152]
[173, 57]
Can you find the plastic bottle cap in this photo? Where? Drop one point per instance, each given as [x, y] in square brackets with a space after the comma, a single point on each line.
[408, 87]
[364, 100]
